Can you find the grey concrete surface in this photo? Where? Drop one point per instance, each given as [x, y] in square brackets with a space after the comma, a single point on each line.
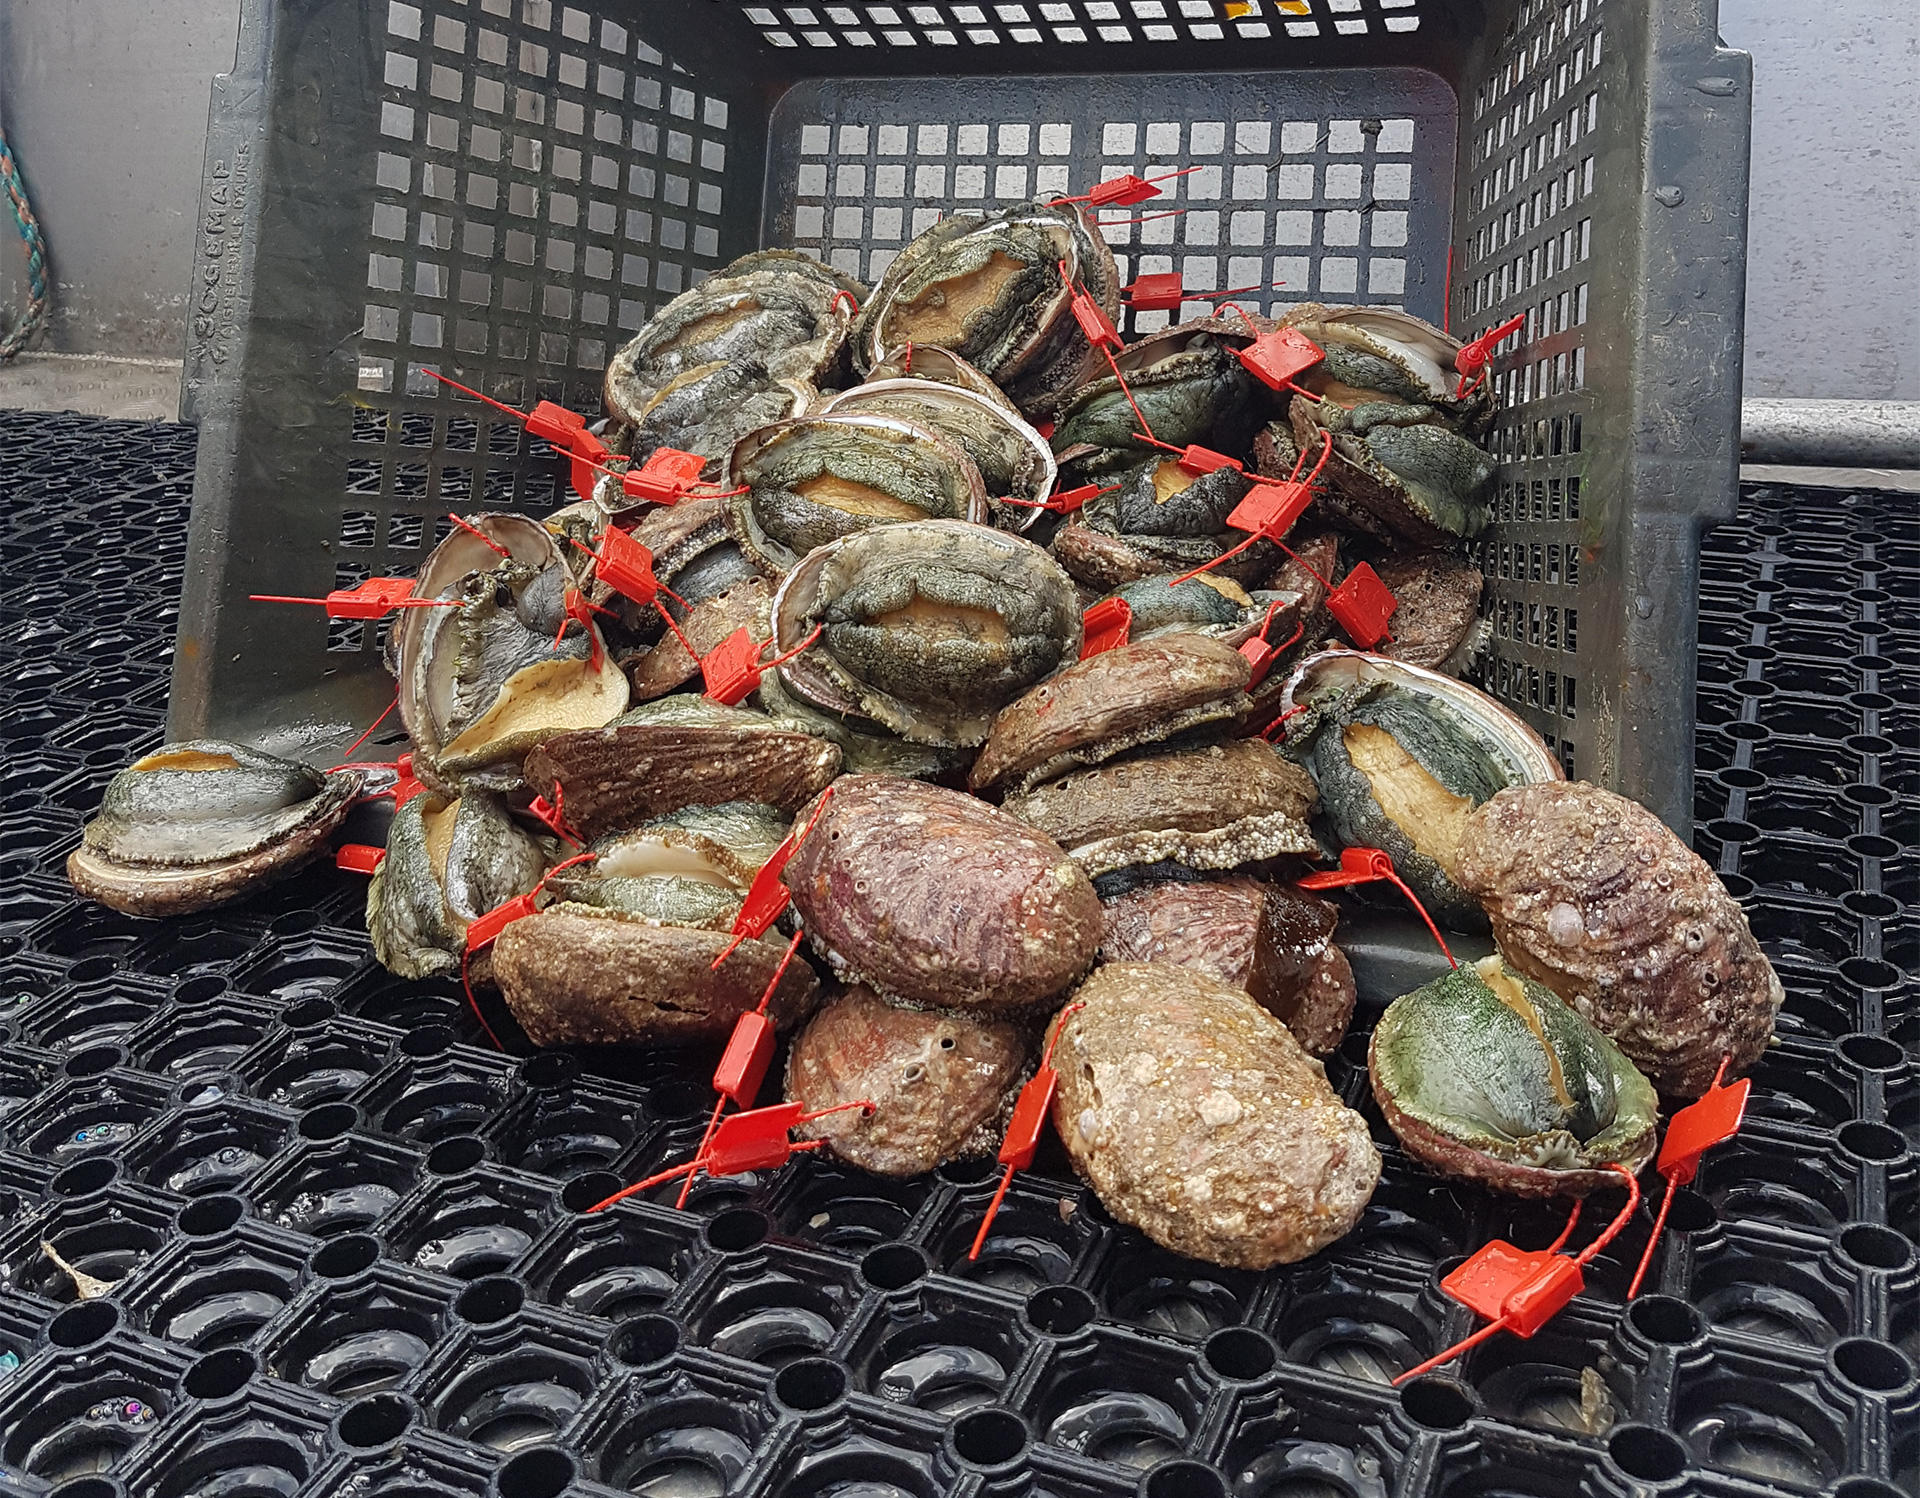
[106, 102]
[93, 385]
[1833, 257]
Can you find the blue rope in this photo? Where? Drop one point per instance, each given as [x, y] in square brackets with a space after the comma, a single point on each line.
[35, 317]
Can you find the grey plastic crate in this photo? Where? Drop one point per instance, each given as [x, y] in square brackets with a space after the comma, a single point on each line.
[503, 190]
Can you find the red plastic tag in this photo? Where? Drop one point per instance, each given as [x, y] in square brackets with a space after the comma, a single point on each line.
[1278, 358]
[574, 604]
[1713, 1119]
[1029, 1118]
[626, 566]
[1104, 627]
[556, 424]
[1362, 605]
[1162, 292]
[1045, 429]
[1205, 460]
[1536, 1302]
[484, 929]
[1094, 322]
[405, 789]
[732, 668]
[1357, 866]
[373, 599]
[1474, 356]
[743, 1066]
[665, 477]
[1259, 655]
[1524, 1288]
[358, 858]
[753, 1140]
[1271, 507]
[1122, 192]
[585, 463]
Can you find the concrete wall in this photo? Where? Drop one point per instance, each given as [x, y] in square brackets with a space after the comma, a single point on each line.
[106, 102]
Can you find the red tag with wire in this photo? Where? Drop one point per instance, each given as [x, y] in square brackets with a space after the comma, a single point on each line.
[1104, 627]
[1260, 655]
[1029, 1118]
[1163, 292]
[1369, 866]
[1122, 192]
[553, 816]
[373, 599]
[358, 858]
[767, 896]
[731, 669]
[665, 478]
[1712, 1119]
[1204, 460]
[1271, 507]
[1094, 322]
[1476, 357]
[1520, 1290]
[1065, 501]
[1362, 605]
[1278, 358]
[625, 566]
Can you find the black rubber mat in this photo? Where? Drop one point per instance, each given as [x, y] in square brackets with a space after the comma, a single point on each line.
[272, 1222]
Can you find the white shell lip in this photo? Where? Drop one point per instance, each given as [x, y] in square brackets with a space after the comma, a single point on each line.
[1351, 667]
[848, 403]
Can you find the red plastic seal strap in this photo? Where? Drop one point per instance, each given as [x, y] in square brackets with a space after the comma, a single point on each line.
[1362, 605]
[1024, 1127]
[1271, 507]
[731, 669]
[1476, 356]
[1713, 1119]
[1104, 627]
[358, 858]
[665, 477]
[555, 424]
[1279, 358]
[1094, 322]
[1163, 292]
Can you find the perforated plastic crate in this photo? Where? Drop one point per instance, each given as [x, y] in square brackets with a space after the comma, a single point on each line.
[504, 190]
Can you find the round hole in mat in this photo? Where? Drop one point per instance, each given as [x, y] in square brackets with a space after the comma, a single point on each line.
[210, 1216]
[220, 1375]
[1646, 1453]
[737, 1230]
[967, 1172]
[1872, 845]
[328, 1121]
[94, 1060]
[306, 1014]
[1869, 972]
[1852, 1487]
[1869, 702]
[1868, 538]
[1867, 795]
[1755, 689]
[1737, 885]
[344, 1257]
[1738, 779]
[1878, 1367]
[1663, 1319]
[452, 1156]
[1871, 1052]
[808, 1384]
[1748, 733]
[92, 970]
[91, 1486]
[374, 1421]
[1755, 652]
[84, 1324]
[677, 1098]
[427, 1042]
[201, 990]
[1869, 743]
[589, 1190]
[1240, 1353]
[1864, 663]
[644, 1341]
[1872, 1141]
[491, 1300]
[1181, 1478]
[538, 1472]
[1870, 595]
[1060, 1310]
[893, 1266]
[1436, 1403]
[548, 1070]
[989, 1437]
[1726, 830]
[1870, 906]
[84, 1177]
[1870, 1246]
[1690, 1213]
